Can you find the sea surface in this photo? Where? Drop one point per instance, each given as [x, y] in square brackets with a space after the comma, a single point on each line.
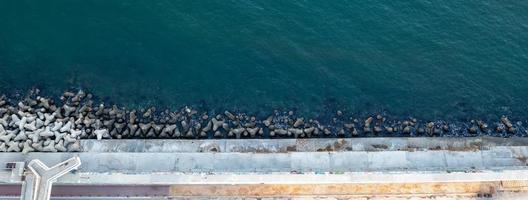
[421, 58]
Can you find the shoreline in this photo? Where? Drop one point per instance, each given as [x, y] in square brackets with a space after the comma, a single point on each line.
[38, 123]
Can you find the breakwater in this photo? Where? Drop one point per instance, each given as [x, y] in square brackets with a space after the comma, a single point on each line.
[37, 123]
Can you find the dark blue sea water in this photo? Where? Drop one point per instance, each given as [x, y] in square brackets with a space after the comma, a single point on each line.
[430, 59]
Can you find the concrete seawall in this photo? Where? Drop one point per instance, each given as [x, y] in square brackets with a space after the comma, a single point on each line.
[351, 168]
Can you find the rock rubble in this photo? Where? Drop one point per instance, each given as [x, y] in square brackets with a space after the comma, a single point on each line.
[41, 124]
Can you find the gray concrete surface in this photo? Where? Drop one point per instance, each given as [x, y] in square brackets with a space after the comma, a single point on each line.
[493, 161]
[496, 158]
[300, 145]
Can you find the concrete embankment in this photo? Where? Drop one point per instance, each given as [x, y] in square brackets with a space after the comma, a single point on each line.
[337, 168]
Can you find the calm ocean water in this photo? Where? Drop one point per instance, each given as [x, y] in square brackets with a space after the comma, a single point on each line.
[431, 59]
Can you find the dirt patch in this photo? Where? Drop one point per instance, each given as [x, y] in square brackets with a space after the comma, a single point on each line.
[380, 146]
[523, 159]
[338, 145]
[291, 148]
[477, 145]
[436, 148]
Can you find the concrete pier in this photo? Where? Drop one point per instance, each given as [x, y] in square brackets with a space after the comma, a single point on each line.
[472, 168]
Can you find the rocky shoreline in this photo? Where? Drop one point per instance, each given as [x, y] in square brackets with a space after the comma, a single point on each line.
[42, 124]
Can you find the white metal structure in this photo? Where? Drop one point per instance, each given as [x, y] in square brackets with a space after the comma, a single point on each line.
[39, 178]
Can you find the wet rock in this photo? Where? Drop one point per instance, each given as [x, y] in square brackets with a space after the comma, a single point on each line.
[506, 122]
[68, 110]
[208, 127]
[184, 125]
[483, 126]
[226, 127]
[316, 131]
[189, 134]
[309, 131]
[272, 134]
[512, 130]
[295, 131]
[349, 126]
[298, 122]
[148, 113]
[119, 126]
[253, 131]
[473, 130]
[430, 128]
[217, 123]
[203, 134]
[144, 127]
[132, 117]
[38, 122]
[445, 128]
[68, 94]
[151, 134]
[281, 132]
[237, 132]
[229, 115]
[217, 134]
[420, 130]
[327, 131]
[500, 128]
[368, 121]
[341, 133]
[268, 121]
[157, 128]
[133, 129]
[176, 133]
[378, 129]
[168, 130]
[407, 130]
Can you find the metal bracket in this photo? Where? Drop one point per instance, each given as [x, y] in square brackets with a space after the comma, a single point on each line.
[39, 178]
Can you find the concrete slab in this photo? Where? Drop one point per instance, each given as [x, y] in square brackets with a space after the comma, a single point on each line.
[250, 162]
[301, 145]
[376, 164]
[460, 160]
[310, 161]
[349, 161]
[426, 160]
[338, 161]
[387, 160]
